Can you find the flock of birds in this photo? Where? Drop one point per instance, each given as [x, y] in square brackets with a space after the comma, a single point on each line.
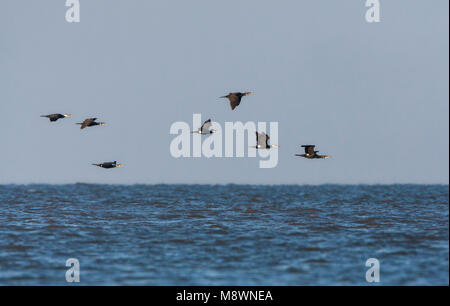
[89, 122]
[262, 139]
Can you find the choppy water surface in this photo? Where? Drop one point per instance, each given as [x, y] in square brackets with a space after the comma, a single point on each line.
[224, 235]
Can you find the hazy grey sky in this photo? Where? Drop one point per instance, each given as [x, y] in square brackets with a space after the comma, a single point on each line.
[373, 96]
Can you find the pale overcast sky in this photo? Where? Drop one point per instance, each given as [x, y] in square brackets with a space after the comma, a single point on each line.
[372, 95]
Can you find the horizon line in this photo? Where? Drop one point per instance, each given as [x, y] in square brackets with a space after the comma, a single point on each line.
[226, 184]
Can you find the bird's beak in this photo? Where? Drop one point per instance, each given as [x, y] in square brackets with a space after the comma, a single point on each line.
[224, 97]
[249, 93]
[275, 146]
[68, 115]
[326, 157]
[102, 123]
[119, 165]
[214, 131]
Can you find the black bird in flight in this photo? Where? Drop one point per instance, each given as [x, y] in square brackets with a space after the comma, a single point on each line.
[310, 153]
[108, 165]
[54, 117]
[262, 141]
[90, 122]
[235, 98]
[205, 128]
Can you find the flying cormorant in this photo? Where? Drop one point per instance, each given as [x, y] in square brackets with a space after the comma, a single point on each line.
[235, 98]
[310, 153]
[205, 129]
[90, 122]
[108, 165]
[262, 141]
[54, 117]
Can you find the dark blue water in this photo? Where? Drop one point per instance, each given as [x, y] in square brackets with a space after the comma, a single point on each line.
[224, 235]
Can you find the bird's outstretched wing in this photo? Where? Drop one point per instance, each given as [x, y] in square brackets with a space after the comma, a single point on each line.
[87, 122]
[235, 100]
[206, 126]
[267, 140]
[261, 139]
[309, 149]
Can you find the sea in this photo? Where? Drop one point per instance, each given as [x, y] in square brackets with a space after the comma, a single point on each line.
[201, 235]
